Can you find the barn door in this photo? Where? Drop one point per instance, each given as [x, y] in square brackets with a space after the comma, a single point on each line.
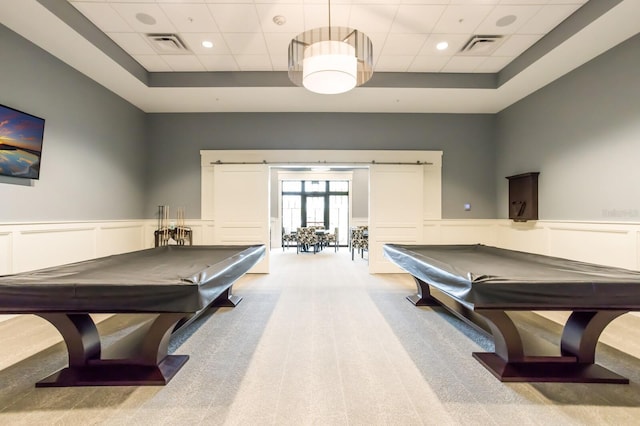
[241, 207]
[395, 210]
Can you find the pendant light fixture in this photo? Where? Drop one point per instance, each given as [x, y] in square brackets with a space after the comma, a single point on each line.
[330, 60]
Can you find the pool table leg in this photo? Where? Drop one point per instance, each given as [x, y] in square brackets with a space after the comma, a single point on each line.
[582, 331]
[423, 295]
[140, 358]
[576, 363]
[226, 299]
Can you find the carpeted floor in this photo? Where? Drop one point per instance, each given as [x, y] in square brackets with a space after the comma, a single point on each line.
[319, 341]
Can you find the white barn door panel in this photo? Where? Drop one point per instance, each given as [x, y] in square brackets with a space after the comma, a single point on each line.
[395, 211]
[241, 207]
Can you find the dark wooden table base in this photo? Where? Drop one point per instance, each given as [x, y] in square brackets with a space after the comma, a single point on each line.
[140, 358]
[116, 373]
[523, 357]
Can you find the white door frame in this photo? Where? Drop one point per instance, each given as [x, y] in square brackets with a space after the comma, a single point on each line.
[431, 161]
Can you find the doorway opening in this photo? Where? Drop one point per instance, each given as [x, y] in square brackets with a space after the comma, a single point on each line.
[317, 203]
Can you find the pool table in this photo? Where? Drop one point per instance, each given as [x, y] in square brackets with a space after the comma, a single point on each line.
[483, 284]
[170, 284]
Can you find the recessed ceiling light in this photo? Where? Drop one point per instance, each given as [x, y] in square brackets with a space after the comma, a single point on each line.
[145, 18]
[208, 44]
[442, 45]
[506, 20]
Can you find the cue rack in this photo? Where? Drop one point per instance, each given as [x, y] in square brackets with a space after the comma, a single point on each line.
[169, 232]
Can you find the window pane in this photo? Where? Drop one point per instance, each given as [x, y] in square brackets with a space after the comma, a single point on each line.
[315, 186]
[338, 186]
[315, 211]
[291, 212]
[291, 186]
[339, 216]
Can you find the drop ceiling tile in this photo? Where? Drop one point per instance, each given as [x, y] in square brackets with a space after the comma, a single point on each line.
[218, 62]
[393, 63]
[190, 18]
[316, 16]
[282, 2]
[134, 12]
[236, 18]
[416, 18]
[254, 62]
[293, 14]
[494, 64]
[194, 42]
[567, 1]
[458, 19]
[324, 3]
[185, 63]
[103, 16]
[507, 19]
[229, 1]
[548, 18]
[176, 1]
[372, 18]
[403, 44]
[428, 63]
[473, 2]
[427, 2]
[516, 44]
[132, 43]
[246, 43]
[278, 43]
[377, 40]
[463, 63]
[124, 1]
[369, 2]
[456, 43]
[152, 63]
[527, 2]
[280, 62]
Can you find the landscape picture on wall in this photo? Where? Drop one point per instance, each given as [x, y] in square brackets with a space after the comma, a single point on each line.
[20, 143]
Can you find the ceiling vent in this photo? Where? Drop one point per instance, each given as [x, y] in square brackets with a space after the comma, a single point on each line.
[482, 45]
[168, 44]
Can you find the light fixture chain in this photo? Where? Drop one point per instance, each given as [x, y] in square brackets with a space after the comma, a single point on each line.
[329, 4]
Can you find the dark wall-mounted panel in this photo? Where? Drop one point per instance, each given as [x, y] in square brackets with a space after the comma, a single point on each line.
[523, 197]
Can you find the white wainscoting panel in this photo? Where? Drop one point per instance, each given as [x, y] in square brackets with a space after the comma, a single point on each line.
[530, 237]
[607, 245]
[6, 253]
[116, 239]
[30, 246]
[51, 246]
[481, 232]
[207, 233]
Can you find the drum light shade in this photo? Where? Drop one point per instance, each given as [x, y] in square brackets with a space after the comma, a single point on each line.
[330, 60]
[329, 67]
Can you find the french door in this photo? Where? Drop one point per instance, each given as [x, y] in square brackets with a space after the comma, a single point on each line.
[315, 211]
[316, 203]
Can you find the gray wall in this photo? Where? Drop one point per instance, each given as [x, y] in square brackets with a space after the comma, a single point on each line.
[175, 141]
[93, 157]
[582, 133]
[360, 195]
